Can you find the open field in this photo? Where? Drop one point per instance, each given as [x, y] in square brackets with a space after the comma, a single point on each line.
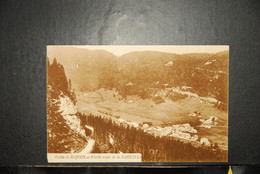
[137, 110]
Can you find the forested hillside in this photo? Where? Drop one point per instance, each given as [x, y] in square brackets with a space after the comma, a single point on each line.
[206, 74]
[160, 79]
[88, 70]
[148, 72]
[111, 137]
[63, 127]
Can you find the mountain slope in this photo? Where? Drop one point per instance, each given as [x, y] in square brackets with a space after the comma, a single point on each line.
[147, 71]
[85, 68]
[65, 133]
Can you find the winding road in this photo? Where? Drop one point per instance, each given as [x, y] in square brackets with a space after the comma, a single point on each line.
[90, 142]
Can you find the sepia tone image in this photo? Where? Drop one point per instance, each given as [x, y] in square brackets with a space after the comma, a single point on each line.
[137, 103]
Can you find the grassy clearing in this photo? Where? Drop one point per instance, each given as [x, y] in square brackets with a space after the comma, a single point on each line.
[138, 110]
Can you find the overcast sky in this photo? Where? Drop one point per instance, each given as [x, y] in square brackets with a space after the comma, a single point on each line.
[120, 50]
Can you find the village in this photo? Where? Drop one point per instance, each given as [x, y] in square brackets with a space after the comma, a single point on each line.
[182, 131]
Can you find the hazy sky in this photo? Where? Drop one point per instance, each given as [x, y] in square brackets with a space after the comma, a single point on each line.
[123, 49]
[120, 50]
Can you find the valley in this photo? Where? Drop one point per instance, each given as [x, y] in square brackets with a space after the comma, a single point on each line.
[163, 105]
[135, 111]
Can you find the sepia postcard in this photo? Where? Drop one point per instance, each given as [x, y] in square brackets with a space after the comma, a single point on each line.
[137, 103]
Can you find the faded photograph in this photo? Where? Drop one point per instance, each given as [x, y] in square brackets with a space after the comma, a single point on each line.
[166, 103]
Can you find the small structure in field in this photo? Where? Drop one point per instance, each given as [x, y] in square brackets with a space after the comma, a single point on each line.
[205, 141]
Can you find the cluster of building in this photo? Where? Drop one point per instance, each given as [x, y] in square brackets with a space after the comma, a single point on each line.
[209, 123]
[183, 131]
[205, 122]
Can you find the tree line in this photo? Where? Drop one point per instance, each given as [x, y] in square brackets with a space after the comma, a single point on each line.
[153, 148]
[60, 138]
[149, 74]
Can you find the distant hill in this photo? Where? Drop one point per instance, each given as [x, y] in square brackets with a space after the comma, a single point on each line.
[85, 68]
[207, 74]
